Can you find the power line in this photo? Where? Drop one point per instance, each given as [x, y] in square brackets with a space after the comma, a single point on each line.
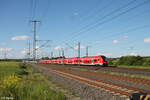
[125, 32]
[79, 53]
[99, 10]
[33, 8]
[45, 11]
[43, 15]
[29, 50]
[103, 17]
[5, 54]
[110, 19]
[87, 51]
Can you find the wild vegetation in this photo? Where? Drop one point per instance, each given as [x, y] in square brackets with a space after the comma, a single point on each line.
[23, 82]
[130, 61]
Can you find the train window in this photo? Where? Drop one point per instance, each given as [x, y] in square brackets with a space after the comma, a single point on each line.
[88, 61]
[104, 58]
[95, 60]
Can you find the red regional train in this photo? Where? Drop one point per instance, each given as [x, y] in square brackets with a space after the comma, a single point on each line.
[93, 60]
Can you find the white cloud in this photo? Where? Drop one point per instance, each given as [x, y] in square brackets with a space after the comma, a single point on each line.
[75, 14]
[5, 49]
[115, 41]
[125, 37]
[58, 48]
[147, 40]
[97, 41]
[133, 54]
[37, 47]
[81, 47]
[24, 37]
[24, 51]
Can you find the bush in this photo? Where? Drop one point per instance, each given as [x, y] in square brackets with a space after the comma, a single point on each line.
[146, 62]
[113, 61]
[130, 60]
[23, 66]
[8, 86]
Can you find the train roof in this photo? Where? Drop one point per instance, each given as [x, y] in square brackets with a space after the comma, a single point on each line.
[86, 57]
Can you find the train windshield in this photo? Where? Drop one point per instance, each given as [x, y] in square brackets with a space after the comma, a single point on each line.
[104, 58]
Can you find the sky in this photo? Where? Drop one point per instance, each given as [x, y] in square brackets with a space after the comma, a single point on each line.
[112, 28]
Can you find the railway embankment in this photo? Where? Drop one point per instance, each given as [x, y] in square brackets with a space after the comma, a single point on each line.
[84, 90]
[90, 88]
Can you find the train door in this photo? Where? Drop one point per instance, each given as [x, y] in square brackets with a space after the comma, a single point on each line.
[92, 61]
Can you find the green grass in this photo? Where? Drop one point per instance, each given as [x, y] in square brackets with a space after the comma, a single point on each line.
[120, 74]
[127, 66]
[30, 84]
[8, 68]
[125, 75]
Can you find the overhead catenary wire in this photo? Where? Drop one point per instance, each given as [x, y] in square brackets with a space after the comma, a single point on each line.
[99, 21]
[110, 19]
[92, 16]
[90, 28]
[130, 17]
[120, 33]
[124, 32]
[114, 17]
[103, 17]
[44, 14]
[34, 9]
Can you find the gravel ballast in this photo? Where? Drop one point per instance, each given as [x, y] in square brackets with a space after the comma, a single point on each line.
[83, 90]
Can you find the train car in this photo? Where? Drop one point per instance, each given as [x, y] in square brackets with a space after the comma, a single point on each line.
[93, 60]
[45, 61]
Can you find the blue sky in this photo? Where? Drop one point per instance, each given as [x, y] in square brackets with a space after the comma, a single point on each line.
[110, 27]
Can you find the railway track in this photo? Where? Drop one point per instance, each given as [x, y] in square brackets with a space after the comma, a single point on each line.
[145, 72]
[129, 79]
[85, 77]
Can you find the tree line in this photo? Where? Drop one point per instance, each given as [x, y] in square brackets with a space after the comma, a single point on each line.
[130, 60]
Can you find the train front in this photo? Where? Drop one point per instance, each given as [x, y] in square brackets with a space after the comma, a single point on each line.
[105, 62]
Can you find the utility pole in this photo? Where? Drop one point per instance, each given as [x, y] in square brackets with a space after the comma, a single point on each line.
[59, 53]
[5, 54]
[86, 51]
[29, 51]
[51, 54]
[34, 39]
[79, 53]
[63, 55]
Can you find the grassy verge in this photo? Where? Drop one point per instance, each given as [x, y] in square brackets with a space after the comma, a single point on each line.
[23, 82]
[125, 75]
[119, 74]
[140, 67]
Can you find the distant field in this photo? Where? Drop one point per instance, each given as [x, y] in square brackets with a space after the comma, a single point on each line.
[22, 82]
[8, 68]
